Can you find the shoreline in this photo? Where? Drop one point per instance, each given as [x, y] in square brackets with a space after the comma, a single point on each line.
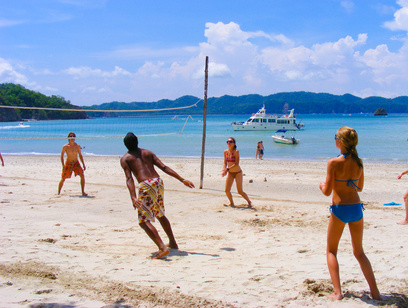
[90, 251]
[285, 159]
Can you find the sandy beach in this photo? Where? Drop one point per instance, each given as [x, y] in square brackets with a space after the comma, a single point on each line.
[72, 251]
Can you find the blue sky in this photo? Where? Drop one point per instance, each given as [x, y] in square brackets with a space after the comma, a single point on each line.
[97, 51]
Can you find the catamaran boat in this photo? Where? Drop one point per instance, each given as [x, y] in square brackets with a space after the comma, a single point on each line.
[263, 121]
[280, 137]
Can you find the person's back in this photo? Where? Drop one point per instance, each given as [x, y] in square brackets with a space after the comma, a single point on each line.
[348, 180]
[150, 203]
[141, 162]
[345, 178]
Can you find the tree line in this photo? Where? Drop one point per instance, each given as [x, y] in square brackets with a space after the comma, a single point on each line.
[17, 95]
[303, 103]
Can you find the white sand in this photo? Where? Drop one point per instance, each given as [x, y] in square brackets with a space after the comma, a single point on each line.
[90, 251]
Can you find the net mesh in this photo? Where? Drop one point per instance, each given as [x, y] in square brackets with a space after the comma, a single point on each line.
[99, 124]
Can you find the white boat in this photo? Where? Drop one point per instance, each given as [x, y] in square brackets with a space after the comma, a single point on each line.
[280, 137]
[263, 121]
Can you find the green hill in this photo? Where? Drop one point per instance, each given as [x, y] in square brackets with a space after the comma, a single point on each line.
[17, 95]
[302, 102]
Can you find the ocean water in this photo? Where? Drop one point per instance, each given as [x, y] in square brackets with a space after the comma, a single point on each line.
[381, 139]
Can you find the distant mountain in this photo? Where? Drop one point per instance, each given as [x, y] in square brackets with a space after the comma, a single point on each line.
[17, 95]
[302, 102]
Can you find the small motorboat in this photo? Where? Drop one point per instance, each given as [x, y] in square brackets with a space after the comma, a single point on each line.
[280, 137]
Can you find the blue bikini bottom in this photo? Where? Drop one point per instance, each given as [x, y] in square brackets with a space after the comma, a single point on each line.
[348, 212]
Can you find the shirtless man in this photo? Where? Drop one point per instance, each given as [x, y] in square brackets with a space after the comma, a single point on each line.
[140, 163]
[73, 151]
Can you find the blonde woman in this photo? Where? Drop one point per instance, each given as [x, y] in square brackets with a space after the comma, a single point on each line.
[233, 171]
[345, 179]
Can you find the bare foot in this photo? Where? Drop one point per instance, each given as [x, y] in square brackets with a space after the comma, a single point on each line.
[250, 205]
[404, 222]
[160, 254]
[377, 297]
[84, 194]
[172, 245]
[229, 205]
[336, 296]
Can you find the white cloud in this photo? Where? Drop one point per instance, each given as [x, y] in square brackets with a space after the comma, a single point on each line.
[315, 63]
[10, 22]
[214, 70]
[240, 62]
[400, 21]
[9, 74]
[387, 68]
[347, 5]
[85, 72]
[137, 52]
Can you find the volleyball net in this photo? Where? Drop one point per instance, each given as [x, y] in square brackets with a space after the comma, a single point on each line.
[92, 123]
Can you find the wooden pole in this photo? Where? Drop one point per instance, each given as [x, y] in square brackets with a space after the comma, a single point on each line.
[204, 122]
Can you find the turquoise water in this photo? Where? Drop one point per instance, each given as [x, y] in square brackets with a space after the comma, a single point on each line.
[381, 139]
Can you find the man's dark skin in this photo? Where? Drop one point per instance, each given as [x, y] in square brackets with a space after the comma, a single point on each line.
[140, 163]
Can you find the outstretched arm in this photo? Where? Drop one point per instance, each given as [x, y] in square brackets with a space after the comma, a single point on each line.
[171, 172]
[405, 172]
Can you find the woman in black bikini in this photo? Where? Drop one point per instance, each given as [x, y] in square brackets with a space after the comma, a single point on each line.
[232, 170]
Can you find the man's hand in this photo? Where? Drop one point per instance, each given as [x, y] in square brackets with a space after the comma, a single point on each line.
[137, 204]
[188, 183]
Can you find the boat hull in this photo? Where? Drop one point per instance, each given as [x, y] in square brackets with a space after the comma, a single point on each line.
[261, 121]
[263, 127]
[285, 140]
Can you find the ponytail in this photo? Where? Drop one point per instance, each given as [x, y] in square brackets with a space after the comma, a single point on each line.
[349, 139]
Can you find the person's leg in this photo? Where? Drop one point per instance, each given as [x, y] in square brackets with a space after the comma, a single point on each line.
[238, 180]
[405, 221]
[165, 223]
[61, 183]
[151, 231]
[334, 232]
[82, 176]
[356, 231]
[228, 184]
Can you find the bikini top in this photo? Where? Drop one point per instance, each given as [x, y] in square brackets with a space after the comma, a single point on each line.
[349, 182]
[230, 159]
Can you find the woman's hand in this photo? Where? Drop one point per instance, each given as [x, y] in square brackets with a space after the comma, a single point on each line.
[321, 185]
